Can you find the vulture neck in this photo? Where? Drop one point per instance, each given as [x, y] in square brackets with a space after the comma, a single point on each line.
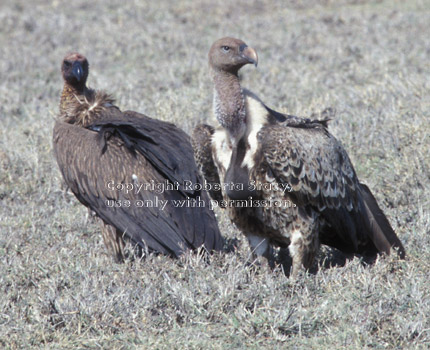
[71, 97]
[75, 104]
[229, 104]
[230, 110]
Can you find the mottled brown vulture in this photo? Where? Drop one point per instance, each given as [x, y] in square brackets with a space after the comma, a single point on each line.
[285, 180]
[136, 173]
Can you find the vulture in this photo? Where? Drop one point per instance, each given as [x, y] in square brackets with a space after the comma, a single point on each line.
[136, 173]
[285, 180]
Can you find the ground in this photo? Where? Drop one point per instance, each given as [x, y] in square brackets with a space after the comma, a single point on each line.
[366, 60]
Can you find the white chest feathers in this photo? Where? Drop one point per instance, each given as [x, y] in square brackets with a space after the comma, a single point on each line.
[256, 118]
[221, 150]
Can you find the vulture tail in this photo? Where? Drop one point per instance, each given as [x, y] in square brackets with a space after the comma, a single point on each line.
[380, 230]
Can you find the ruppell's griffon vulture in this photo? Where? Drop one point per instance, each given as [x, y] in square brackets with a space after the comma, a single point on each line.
[295, 185]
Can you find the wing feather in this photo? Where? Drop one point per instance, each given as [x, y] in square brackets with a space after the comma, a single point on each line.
[164, 145]
[88, 165]
[321, 175]
[312, 162]
[201, 141]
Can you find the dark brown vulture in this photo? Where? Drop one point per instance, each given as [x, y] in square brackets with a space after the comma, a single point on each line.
[136, 173]
[286, 180]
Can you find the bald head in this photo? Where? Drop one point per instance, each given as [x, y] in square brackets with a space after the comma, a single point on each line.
[75, 69]
[230, 54]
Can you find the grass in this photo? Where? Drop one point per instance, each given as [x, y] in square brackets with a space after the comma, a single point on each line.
[369, 60]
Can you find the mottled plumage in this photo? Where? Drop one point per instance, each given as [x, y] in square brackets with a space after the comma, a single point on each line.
[105, 154]
[293, 165]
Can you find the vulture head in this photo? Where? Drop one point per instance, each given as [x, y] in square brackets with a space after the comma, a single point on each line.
[75, 69]
[230, 54]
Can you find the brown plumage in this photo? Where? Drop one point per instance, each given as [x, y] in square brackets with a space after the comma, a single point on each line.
[302, 182]
[131, 170]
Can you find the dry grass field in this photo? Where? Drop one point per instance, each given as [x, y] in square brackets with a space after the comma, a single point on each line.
[368, 60]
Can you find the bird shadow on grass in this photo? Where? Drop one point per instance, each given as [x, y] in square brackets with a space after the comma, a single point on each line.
[137, 254]
[327, 258]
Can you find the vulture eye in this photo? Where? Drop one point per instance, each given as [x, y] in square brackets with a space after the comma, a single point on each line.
[225, 48]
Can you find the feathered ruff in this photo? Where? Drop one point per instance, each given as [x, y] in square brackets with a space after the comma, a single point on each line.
[84, 110]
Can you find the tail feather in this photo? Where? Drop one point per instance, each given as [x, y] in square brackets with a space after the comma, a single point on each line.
[380, 230]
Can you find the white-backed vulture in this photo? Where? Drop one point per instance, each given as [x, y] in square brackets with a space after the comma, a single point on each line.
[136, 173]
[286, 180]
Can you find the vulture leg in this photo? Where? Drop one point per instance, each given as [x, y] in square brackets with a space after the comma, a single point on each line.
[113, 241]
[260, 246]
[303, 247]
[90, 215]
[285, 260]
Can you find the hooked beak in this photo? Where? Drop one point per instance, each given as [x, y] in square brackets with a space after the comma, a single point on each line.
[77, 70]
[249, 54]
